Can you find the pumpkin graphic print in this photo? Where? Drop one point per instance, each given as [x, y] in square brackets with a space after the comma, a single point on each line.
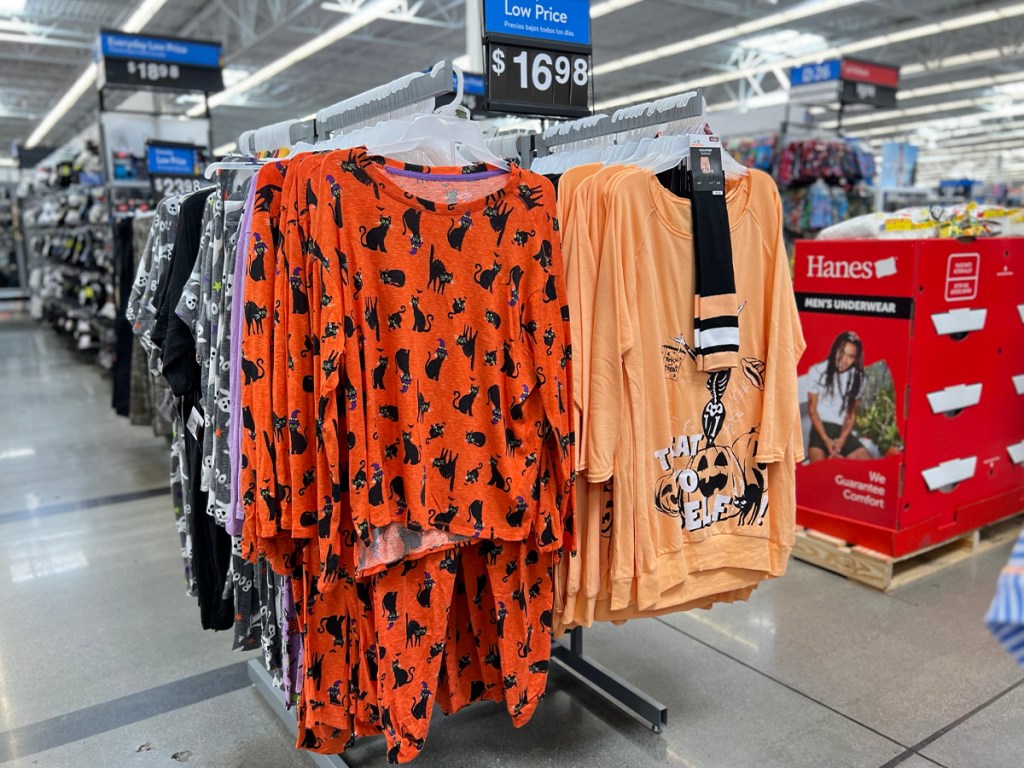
[711, 478]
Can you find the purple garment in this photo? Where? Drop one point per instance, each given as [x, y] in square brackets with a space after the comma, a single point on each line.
[236, 510]
[291, 660]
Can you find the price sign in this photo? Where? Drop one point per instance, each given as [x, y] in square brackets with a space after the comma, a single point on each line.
[540, 81]
[174, 169]
[868, 93]
[537, 56]
[155, 62]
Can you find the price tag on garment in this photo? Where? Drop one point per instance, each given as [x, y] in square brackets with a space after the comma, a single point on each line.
[706, 164]
[195, 421]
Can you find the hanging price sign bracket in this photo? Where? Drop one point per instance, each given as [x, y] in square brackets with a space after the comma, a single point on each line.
[538, 57]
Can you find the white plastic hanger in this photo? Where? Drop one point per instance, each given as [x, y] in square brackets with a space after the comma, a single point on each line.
[572, 153]
[440, 135]
[388, 129]
[245, 164]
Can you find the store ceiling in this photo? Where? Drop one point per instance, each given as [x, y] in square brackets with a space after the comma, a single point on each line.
[960, 58]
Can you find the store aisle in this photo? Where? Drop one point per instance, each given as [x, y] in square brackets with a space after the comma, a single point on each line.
[61, 441]
[101, 652]
[103, 662]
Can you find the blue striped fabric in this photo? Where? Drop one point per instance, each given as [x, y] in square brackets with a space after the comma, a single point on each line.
[1005, 617]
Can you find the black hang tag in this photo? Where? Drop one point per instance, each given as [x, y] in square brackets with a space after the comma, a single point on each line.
[706, 164]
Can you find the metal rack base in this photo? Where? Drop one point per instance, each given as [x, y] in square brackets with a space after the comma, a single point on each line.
[621, 693]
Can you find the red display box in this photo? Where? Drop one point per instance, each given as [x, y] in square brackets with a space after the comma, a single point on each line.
[918, 342]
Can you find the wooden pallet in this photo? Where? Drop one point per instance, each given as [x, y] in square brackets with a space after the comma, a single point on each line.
[883, 572]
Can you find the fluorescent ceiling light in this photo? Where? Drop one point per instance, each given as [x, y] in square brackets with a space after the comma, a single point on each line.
[12, 6]
[993, 141]
[951, 62]
[67, 101]
[1012, 88]
[6, 162]
[366, 15]
[1010, 151]
[141, 16]
[233, 75]
[610, 6]
[905, 129]
[925, 109]
[771, 99]
[223, 149]
[791, 41]
[727, 34]
[1009, 83]
[978, 134]
[925, 30]
[978, 131]
[953, 87]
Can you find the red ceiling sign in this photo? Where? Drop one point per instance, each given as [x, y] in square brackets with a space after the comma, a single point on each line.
[866, 72]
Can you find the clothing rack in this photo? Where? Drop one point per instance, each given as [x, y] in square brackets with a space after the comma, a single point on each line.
[400, 94]
[642, 116]
[621, 693]
[570, 657]
[439, 81]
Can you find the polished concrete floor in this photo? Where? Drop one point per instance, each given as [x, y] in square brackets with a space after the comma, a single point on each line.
[103, 663]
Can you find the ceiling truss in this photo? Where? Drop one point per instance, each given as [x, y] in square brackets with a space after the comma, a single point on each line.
[43, 53]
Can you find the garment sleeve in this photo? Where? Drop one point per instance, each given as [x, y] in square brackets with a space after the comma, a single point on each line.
[258, 448]
[302, 342]
[781, 411]
[613, 337]
[235, 332]
[282, 409]
[191, 308]
[324, 262]
[141, 278]
[575, 245]
[180, 368]
[548, 313]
